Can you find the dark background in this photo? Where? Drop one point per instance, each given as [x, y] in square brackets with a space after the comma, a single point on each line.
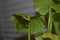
[9, 7]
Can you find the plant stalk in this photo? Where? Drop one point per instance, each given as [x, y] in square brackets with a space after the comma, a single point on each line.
[50, 18]
[29, 31]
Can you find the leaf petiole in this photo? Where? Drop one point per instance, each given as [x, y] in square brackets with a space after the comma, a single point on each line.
[50, 18]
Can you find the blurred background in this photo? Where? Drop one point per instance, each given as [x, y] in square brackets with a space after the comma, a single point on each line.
[9, 7]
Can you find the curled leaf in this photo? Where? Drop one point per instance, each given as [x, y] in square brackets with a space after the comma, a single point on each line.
[39, 38]
[50, 36]
[19, 22]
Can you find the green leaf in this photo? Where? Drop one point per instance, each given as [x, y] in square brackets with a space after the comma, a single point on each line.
[58, 8]
[50, 36]
[37, 24]
[56, 21]
[56, 17]
[39, 38]
[20, 21]
[57, 27]
[41, 6]
[56, 5]
[47, 36]
[56, 1]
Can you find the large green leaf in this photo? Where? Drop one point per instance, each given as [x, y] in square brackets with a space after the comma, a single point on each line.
[41, 6]
[20, 21]
[37, 24]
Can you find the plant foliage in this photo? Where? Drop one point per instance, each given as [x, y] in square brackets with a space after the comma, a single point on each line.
[35, 24]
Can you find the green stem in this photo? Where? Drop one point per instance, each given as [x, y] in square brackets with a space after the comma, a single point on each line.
[50, 18]
[29, 31]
